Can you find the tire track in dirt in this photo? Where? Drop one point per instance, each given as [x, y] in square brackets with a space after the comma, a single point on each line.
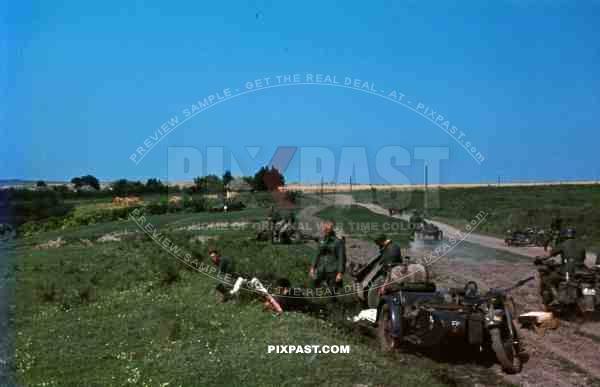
[560, 358]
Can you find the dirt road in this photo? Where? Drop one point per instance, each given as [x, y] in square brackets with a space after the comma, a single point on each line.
[567, 356]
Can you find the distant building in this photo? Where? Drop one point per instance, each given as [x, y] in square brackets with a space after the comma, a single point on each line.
[238, 185]
[86, 188]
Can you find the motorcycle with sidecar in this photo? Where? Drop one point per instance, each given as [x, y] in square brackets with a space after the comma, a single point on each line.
[577, 292]
[420, 314]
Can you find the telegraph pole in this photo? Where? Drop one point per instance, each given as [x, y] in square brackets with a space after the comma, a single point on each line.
[321, 187]
[425, 199]
[350, 185]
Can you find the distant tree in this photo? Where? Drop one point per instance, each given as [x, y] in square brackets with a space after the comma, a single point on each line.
[62, 189]
[76, 181]
[208, 184]
[268, 179]
[138, 187]
[154, 186]
[121, 187]
[91, 181]
[227, 177]
[249, 180]
[40, 183]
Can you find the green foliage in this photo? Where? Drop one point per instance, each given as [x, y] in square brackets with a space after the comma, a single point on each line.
[295, 196]
[235, 205]
[210, 184]
[90, 180]
[127, 313]
[124, 187]
[196, 204]
[268, 179]
[76, 181]
[227, 178]
[361, 222]
[78, 218]
[155, 186]
[157, 208]
[62, 189]
[31, 207]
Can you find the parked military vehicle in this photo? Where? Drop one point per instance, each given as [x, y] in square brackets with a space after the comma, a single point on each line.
[424, 316]
[367, 279]
[393, 211]
[528, 237]
[416, 218]
[578, 293]
[426, 230]
[285, 231]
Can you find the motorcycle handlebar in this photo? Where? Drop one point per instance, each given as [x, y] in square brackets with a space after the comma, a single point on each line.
[510, 288]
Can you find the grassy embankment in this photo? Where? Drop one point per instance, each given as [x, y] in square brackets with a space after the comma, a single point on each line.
[361, 223]
[127, 313]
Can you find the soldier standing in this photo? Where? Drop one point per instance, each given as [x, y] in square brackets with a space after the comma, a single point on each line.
[274, 217]
[573, 259]
[391, 252]
[555, 237]
[572, 253]
[329, 264]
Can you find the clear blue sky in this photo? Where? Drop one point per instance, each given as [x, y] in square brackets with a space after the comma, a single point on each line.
[86, 83]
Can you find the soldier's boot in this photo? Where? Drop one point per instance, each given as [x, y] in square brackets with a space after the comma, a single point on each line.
[554, 301]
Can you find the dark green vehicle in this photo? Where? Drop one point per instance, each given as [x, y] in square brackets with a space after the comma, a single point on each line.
[424, 316]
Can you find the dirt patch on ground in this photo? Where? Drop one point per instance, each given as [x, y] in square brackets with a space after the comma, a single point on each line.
[203, 238]
[116, 236]
[51, 244]
[218, 226]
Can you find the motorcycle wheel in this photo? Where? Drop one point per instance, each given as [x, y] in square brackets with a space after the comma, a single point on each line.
[505, 351]
[387, 343]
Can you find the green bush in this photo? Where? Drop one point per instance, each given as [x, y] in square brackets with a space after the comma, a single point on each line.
[195, 205]
[77, 219]
[156, 208]
[235, 205]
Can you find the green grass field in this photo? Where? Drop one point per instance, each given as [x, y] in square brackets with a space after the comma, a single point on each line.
[508, 207]
[127, 313]
[361, 223]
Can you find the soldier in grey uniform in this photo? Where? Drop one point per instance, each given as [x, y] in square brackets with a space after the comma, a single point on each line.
[573, 259]
[329, 264]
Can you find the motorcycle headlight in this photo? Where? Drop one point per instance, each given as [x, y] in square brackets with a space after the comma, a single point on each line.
[498, 315]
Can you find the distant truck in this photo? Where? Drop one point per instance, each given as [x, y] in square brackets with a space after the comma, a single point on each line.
[427, 230]
[393, 211]
[528, 237]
